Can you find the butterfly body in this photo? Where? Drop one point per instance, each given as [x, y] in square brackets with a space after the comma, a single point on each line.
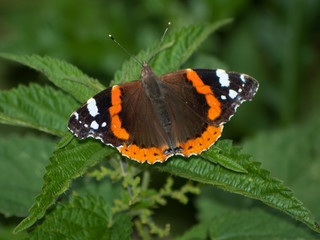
[153, 88]
[178, 113]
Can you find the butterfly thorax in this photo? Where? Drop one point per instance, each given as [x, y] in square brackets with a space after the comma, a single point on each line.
[151, 85]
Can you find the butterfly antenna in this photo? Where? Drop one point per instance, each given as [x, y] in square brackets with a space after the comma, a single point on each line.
[164, 34]
[125, 50]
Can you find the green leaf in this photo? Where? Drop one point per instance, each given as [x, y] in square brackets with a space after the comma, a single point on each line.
[62, 74]
[67, 138]
[181, 43]
[83, 218]
[66, 164]
[293, 154]
[197, 232]
[121, 228]
[23, 161]
[105, 188]
[186, 41]
[42, 108]
[254, 224]
[214, 156]
[212, 202]
[256, 184]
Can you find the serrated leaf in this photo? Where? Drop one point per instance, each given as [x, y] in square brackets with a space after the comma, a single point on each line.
[42, 108]
[23, 161]
[178, 46]
[256, 184]
[66, 164]
[83, 218]
[64, 75]
[214, 203]
[214, 156]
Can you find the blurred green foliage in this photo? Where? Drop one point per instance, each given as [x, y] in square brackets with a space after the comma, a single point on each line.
[277, 42]
[274, 41]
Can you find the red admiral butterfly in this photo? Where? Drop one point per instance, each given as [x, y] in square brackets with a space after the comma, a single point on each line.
[178, 113]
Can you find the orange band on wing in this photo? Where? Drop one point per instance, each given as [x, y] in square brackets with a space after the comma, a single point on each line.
[196, 146]
[151, 155]
[215, 106]
[115, 95]
[113, 110]
[116, 128]
[192, 146]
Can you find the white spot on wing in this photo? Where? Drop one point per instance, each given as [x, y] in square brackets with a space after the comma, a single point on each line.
[86, 125]
[92, 107]
[223, 97]
[232, 93]
[94, 125]
[103, 124]
[76, 115]
[242, 77]
[223, 78]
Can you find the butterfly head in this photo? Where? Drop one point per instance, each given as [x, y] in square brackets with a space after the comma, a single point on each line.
[146, 71]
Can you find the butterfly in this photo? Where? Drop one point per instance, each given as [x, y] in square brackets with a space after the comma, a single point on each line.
[157, 117]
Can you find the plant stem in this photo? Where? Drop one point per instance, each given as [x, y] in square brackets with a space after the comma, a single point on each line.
[124, 167]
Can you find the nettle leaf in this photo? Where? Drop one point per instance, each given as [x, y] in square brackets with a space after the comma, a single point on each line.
[83, 218]
[64, 75]
[23, 161]
[42, 108]
[176, 48]
[256, 184]
[254, 224]
[66, 164]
